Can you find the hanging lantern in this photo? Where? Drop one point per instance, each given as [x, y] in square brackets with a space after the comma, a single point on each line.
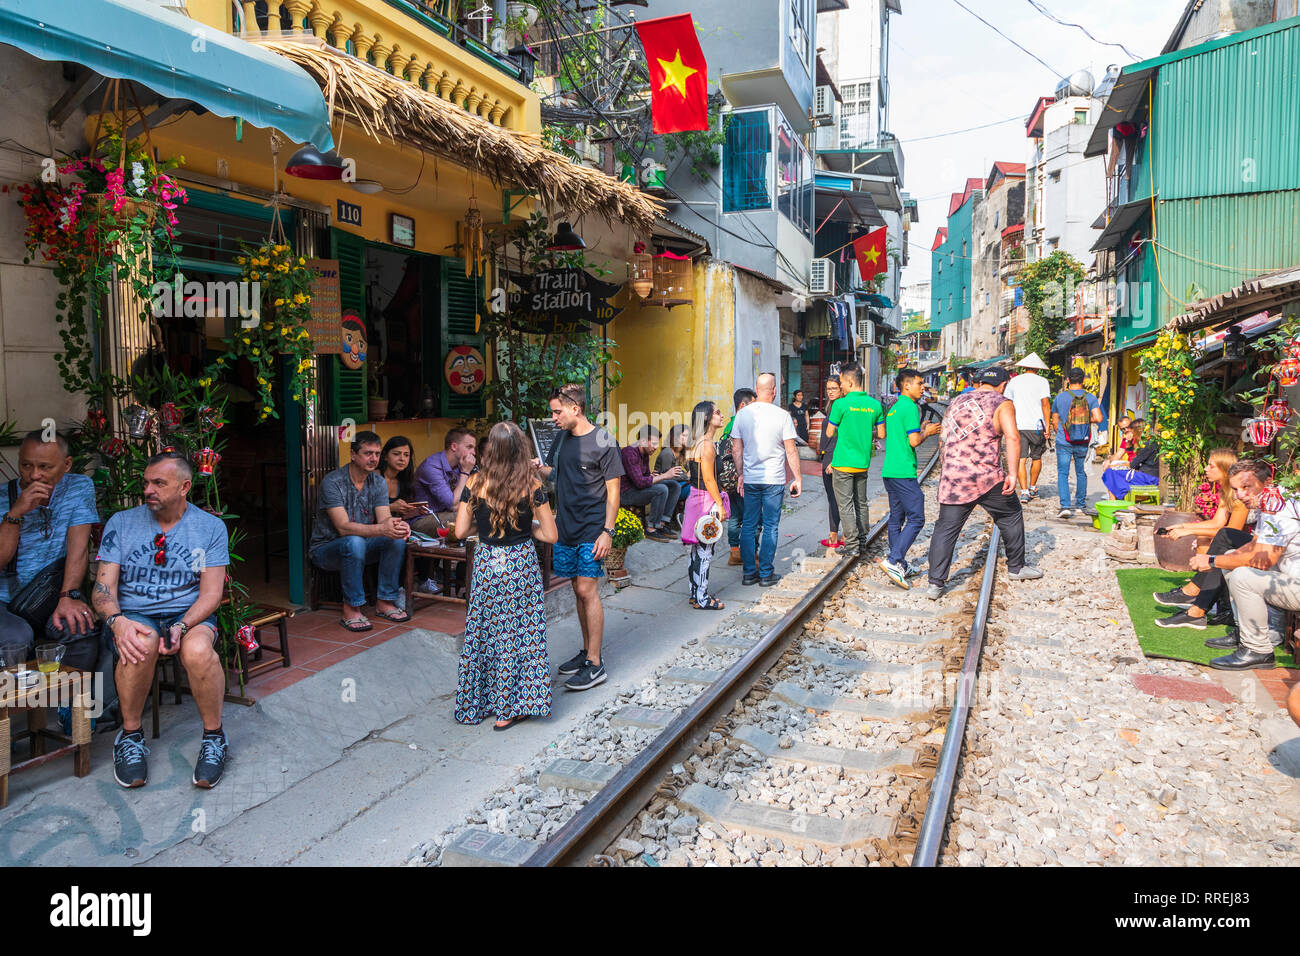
[641, 272]
[1270, 500]
[247, 638]
[1234, 344]
[169, 416]
[672, 277]
[1263, 431]
[209, 416]
[1287, 371]
[1278, 411]
[207, 460]
[139, 423]
[113, 447]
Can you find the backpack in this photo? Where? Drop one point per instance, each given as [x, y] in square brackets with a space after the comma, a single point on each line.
[1078, 420]
[725, 466]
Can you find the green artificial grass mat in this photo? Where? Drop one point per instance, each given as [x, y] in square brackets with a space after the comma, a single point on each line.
[1177, 643]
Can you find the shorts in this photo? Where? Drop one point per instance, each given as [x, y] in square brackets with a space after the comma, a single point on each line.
[575, 561]
[159, 624]
[1033, 444]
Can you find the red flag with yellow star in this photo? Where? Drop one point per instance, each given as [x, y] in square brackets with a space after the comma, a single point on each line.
[679, 84]
[870, 252]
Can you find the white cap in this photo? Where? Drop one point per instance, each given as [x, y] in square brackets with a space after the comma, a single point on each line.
[1032, 361]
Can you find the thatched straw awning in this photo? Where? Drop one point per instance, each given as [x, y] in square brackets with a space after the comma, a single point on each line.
[388, 107]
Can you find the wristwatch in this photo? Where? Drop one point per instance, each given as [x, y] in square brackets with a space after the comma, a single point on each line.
[1212, 557]
[610, 532]
[108, 621]
[183, 626]
[74, 593]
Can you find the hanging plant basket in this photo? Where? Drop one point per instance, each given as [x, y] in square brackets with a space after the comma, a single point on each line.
[101, 204]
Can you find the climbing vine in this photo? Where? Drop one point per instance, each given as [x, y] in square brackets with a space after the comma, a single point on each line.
[1047, 284]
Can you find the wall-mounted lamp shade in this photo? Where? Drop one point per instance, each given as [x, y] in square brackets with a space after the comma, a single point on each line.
[310, 163]
[566, 240]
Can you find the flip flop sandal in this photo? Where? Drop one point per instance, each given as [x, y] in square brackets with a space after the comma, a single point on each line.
[510, 723]
[712, 604]
[406, 616]
[357, 625]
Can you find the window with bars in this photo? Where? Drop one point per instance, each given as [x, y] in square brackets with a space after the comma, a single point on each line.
[747, 162]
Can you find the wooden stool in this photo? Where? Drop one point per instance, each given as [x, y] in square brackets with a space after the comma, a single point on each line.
[266, 616]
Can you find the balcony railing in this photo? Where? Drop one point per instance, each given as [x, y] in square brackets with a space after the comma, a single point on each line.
[924, 358]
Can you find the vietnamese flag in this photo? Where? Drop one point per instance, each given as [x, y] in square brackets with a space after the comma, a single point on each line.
[679, 80]
[870, 252]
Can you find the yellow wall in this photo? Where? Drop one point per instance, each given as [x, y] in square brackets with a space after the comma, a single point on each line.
[673, 358]
[426, 434]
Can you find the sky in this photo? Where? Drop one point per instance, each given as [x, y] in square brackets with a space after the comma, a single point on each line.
[948, 71]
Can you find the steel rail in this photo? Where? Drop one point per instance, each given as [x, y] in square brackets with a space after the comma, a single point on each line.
[598, 824]
[934, 823]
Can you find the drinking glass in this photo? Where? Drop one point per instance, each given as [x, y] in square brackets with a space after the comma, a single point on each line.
[48, 657]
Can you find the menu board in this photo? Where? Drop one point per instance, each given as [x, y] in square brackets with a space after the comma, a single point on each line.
[325, 327]
[544, 433]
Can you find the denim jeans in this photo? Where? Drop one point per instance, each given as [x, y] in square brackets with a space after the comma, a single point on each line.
[736, 519]
[1064, 452]
[906, 515]
[350, 554]
[660, 500]
[763, 506]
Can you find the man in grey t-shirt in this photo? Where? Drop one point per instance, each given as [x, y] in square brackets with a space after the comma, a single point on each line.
[354, 528]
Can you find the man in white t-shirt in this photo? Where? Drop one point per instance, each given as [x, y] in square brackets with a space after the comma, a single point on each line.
[763, 448]
[1263, 573]
[1032, 396]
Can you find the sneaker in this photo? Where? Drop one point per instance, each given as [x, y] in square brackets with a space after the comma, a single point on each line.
[1229, 642]
[661, 534]
[1033, 492]
[430, 586]
[1024, 497]
[1065, 513]
[749, 579]
[894, 572]
[130, 769]
[588, 676]
[910, 569]
[770, 580]
[1174, 598]
[213, 751]
[574, 663]
[934, 592]
[1181, 619]
[1026, 573]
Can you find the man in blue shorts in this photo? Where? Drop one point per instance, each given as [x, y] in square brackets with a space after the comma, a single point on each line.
[162, 568]
[586, 466]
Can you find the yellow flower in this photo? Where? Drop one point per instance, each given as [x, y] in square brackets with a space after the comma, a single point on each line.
[205, 381]
[313, 393]
[299, 298]
[268, 326]
[302, 261]
[246, 340]
[254, 276]
[241, 259]
[257, 352]
[279, 301]
[260, 380]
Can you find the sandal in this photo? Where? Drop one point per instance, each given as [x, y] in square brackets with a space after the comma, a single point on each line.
[511, 722]
[712, 604]
[387, 616]
[357, 625]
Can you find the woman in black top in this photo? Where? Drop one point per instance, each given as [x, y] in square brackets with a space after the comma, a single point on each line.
[800, 415]
[504, 670]
[1144, 469]
[397, 465]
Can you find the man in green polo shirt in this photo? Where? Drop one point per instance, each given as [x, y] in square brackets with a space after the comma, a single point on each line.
[855, 421]
[903, 432]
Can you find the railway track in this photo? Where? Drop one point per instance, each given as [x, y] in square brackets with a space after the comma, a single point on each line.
[875, 682]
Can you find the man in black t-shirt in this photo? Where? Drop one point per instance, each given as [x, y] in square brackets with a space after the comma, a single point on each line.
[585, 465]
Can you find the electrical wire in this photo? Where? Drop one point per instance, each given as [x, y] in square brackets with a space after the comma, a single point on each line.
[1066, 23]
[969, 129]
[1023, 49]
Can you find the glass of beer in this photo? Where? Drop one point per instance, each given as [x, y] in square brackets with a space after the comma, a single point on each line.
[48, 657]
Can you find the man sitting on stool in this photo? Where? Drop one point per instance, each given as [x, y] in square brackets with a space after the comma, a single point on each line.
[162, 568]
[354, 528]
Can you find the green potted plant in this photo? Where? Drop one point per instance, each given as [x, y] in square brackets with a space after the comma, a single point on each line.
[628, 530]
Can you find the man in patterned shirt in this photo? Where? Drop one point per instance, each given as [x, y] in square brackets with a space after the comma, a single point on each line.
[972, 473]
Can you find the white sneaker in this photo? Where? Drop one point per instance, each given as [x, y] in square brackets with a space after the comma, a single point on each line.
[895, 573]
[1065, 513]
[430, 586]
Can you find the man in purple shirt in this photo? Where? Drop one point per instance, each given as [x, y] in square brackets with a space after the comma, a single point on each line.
[441, 477]
[640, 487]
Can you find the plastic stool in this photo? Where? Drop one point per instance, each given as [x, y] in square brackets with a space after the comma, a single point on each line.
[1149, 493]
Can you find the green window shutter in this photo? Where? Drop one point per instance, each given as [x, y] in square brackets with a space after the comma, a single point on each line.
[460, 299]
[349, 391]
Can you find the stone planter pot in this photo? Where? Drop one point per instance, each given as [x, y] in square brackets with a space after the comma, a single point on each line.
[1175, 555]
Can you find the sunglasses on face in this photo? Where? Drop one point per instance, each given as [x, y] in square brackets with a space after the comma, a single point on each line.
[160, 548]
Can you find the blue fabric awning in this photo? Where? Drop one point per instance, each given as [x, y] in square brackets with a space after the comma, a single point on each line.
[175, 57]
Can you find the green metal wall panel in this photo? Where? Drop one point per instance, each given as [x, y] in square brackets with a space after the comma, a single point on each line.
[955, 275]
[1227, 120]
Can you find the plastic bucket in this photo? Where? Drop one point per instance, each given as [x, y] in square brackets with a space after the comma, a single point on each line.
[1105, 520]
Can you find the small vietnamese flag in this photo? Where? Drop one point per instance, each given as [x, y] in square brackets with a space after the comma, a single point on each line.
[679, 79]
[870, 252]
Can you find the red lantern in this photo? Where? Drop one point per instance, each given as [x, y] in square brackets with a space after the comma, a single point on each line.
[209, 416]
[113, 447]
[169, 415]
[1278, 411]
[1263, 431]
[1287, 371]
[207, 460]
[247, 638]
[1270, 500]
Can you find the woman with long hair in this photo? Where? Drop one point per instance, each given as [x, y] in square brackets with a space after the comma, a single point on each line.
[397, 465]
[705, 498]
[673, 455]
[1226, 530]
[503, 667]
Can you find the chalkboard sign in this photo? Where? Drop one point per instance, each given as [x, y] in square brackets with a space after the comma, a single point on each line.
[544, 434]
[563, 301]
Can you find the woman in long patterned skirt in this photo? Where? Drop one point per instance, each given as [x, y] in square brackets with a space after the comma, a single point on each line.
[504, 669]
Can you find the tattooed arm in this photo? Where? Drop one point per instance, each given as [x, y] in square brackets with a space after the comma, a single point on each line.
[103, 597]
[133, 640]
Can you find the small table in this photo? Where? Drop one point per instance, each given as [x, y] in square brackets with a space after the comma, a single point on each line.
[64, 688]
[448, 556]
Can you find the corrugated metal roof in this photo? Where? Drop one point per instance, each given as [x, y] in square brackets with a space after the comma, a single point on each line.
[1240, 101]
[1255, 295]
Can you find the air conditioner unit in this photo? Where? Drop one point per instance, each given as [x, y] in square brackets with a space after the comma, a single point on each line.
[821, 277]
[866, 332]
[824, 103]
